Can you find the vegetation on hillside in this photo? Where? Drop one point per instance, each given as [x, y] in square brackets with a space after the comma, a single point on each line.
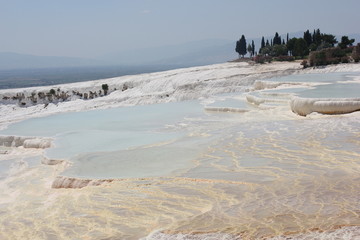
[315, 48]
[25, 99]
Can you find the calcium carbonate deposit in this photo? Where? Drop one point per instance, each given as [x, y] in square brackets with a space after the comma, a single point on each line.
[226, 151]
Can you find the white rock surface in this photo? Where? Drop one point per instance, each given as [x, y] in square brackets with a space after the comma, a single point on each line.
[159, 87]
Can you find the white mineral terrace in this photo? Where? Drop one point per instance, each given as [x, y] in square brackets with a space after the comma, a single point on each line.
[168, 86]
[227, 151]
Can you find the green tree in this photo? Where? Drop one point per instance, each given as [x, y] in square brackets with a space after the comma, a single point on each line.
[308, 38]
[267, 50]
[291, 45]
[277, 39]
[329, 38]
[345, 42]
[275, 51]
[324, 45]
[279, 50]
[105, 87]
[250, 50]
[313, 47]
[300, 48]
[253, 47]
[262, 42]
[241, 46]
[317, 37]
[313, 37]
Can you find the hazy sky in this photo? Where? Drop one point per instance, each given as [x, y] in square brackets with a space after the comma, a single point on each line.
[89, 28]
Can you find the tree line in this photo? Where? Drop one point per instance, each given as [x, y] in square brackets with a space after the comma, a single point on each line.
[293, 48]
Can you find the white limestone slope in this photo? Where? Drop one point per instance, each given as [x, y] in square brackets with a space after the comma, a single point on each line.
[305, 106]
[159, 87]
[26, 142]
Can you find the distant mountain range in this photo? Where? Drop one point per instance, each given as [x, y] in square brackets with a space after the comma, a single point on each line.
[9, 60]
[196, 53]
[192, 53]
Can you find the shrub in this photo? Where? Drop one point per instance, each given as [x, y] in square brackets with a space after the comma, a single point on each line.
[348, 50]
[52, 92]
[285, 58]
[333, 60]
[317, 58]
[41, 95]
[344, 59]
[328, 56]
[105, 87]
[259, 59]
[356, 53]
[304, 63]
[335, 52]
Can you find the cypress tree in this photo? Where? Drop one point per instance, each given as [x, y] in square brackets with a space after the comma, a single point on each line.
[262, 42]
[318, 37]
[307, 37]
[253, 47]
[250, 50]
[267, 42]
[241, 46]
[287, 38]
[313, 37]
[277, 39]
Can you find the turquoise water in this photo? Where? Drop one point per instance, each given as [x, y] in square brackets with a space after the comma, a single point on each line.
[142, 139]
[160, 139]
[184, 170]
[331, 88]
[137, 119]
[334, 90]
[230, 102]
[99, 142]
[316, 77]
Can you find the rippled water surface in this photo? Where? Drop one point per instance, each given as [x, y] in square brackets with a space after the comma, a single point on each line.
[189, 173]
